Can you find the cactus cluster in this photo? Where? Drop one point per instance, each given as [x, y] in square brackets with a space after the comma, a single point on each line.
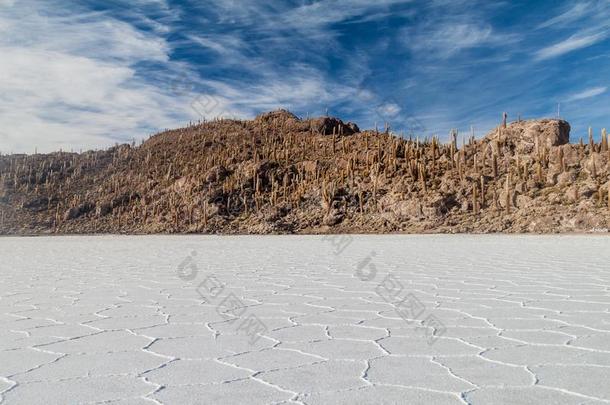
[278, 173]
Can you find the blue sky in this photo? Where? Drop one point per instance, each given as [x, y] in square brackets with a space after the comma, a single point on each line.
[89, 73]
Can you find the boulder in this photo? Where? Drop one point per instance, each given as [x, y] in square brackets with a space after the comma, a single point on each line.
[72, 213]
[76, 212]
[512, 198]
[523, 134]
[103, 209]
[328, 125]
[216, 174]
[38, 204]
[595, 164]
[277, 116]
[283, 118]
[334, 217]
[567, 178]
[524, 202]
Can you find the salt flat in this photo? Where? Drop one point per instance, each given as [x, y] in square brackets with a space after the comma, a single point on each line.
[310, 320]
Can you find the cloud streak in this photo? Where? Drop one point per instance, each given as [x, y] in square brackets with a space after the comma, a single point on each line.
[574, 13]
[589, 93]
[573, 43]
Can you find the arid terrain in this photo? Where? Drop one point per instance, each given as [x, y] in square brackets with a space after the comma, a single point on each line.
[281, 174]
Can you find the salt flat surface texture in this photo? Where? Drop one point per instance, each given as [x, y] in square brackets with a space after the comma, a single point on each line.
[307, 320]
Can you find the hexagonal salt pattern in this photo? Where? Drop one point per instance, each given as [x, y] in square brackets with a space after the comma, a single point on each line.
[305, 320]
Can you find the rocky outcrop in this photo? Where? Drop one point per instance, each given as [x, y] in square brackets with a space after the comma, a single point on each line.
[525, 135]
[281, 174]
[330, 125]
[78, 211]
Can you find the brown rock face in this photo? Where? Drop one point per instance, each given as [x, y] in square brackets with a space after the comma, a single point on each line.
[216, 173]
[548, 132]
[278, 115]
[322, 125]
[76, 212]
[328, 125]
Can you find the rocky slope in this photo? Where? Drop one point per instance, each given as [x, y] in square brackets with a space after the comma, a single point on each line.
[280, 174]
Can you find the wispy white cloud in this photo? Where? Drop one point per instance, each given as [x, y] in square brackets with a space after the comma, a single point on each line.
[588, 93]
[446, 40]
[574, 13]
[229, 46]
[286, 59]
[446, 29]
[586, 19]
[389, 109]
[303, 88]
[308, 16]
[70, 81]
[573, 43]
[327, 12]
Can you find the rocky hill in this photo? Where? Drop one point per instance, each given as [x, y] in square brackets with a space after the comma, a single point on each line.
[280, 174]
